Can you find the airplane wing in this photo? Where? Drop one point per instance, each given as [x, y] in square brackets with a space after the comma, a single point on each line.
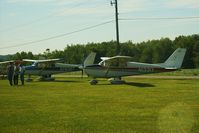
[29, 60]
[116, 61]
[6, 62]
[42, 61]
[104, 58]
[117, 57]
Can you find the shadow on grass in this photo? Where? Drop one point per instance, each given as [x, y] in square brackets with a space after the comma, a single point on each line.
[131, 84]
[65, 81]
[139, 84]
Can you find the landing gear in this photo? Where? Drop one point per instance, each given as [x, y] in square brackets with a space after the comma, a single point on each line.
[46, 78]
[116, 80]
[29, 79]
[3, 77]
[93, 82]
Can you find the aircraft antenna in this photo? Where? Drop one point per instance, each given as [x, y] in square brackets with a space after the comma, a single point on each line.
[117, 26]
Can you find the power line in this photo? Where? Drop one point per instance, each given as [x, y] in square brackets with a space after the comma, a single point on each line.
[57, 36]
[160, 18]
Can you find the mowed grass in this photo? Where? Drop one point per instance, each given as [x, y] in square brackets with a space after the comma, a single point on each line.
[181, 72]
[72, 105]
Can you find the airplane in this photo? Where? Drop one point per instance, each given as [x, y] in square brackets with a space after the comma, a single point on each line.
[47, 67]
[119, 66]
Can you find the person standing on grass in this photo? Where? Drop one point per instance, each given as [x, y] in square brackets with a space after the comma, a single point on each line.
[16, 74]
[10, 72]
[22, 70]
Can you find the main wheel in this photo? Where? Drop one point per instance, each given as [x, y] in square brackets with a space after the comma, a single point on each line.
[117, 81]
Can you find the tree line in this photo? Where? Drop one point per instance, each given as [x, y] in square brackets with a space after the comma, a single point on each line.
[151, 51]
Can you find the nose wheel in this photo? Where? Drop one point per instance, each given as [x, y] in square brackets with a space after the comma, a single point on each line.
[93, 82]
[29, 78]
[46, 78]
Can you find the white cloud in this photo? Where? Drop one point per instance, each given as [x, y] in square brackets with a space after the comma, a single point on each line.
[132, 5]
[87, 7]
[83, 10]
[12, 14]
[29, 1]
[55, 2]
[104, 7]
[66, 7]
[183, 3]
[65, 2]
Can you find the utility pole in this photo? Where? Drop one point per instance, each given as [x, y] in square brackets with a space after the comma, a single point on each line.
[117, 26]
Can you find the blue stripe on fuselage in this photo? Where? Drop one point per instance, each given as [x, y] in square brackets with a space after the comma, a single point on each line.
[50, 70]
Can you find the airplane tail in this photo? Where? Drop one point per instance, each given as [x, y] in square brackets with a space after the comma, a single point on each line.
[90, 59]
[176, 59]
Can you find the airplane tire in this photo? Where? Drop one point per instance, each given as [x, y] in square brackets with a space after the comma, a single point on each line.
[117, 81]
[93, 82]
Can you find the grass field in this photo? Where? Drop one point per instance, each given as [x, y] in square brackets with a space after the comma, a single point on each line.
[72, 105]
[182, 72]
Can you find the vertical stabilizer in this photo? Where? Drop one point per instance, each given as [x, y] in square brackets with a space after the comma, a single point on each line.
[90, 59]
[176, 59]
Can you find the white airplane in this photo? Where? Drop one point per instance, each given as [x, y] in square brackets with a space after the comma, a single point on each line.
[119, 66]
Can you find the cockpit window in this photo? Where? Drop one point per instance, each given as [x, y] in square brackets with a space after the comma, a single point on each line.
[117, 62]
[46, 65]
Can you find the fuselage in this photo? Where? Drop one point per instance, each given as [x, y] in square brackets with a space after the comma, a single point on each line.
[133, 68]
[48, 70]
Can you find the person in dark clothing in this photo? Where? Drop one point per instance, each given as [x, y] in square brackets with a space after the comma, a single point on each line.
[10, 72]
[16, 74]
[22, 70]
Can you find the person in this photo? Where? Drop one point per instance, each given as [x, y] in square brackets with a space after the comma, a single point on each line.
[10, 72]
[16, 74]
[22, 70]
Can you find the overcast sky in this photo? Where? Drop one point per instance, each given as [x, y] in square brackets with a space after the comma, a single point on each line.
[35, 25]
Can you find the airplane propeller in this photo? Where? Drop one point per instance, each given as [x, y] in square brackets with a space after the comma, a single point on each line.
[81, 67]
